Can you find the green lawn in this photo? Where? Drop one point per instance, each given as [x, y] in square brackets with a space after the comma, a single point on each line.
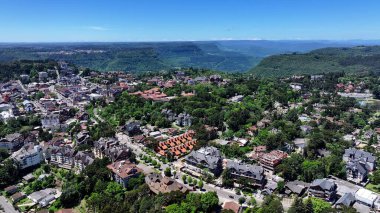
[375, 188]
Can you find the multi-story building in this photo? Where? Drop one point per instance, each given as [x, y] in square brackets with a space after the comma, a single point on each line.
[42, 76]
[101, 145]
[82, 160]
[109, 147]
[61, 156]
[50, 121]
[356, 172]
[67, 158]
[366, 158]
[206, 158]
[358, 164]
[183, 119]
[323, 188]
[122, 171]
[12, 142]
[27, 156]
[252, 173]
[132, 128]
[272, 159]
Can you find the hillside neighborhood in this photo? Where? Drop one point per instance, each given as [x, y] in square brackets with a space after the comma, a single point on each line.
[70, 135]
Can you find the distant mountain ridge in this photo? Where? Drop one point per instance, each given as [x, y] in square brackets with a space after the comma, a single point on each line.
[228, 56]
[352, 60]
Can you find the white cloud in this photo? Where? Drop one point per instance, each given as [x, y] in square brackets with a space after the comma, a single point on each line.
[97, 28]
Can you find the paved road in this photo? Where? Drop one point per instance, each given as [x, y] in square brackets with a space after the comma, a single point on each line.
[97, 116]
[61, 97]
[22, 86]
[223, 193]
[8, 208]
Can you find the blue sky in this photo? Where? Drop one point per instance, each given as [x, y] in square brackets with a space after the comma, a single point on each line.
[172, 20]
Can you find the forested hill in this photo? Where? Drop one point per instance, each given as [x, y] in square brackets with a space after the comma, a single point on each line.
[352, 60]
[229, 56]
[134, 57]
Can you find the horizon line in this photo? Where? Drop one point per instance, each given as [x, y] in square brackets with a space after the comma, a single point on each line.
[202, 40]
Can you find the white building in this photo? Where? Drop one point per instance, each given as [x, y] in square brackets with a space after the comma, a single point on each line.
[42, 76]
[50, 120]
[296, 86]
[365, 197]
[43, 196]
[29, 155]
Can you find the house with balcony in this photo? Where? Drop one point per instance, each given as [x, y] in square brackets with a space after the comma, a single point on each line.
[324, 189]
[123, 171]
[82, 160]
[269, 161]
[253, 174]
[109, 147]
[12, 142]
[359, 164]
[28, 156]
[60, 156]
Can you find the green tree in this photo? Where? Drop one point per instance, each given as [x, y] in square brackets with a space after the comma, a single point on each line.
[227, 180]
[309, 206]
[320, 205]
[281, 186]
[200, 184]
[189, 180]
[168, 172]
[312, 170]
[252, 201]
[241, 200]
[95, 201]
[272, 204]
[3, 154]
[209, 201]
[297, 206]
[375, 177]
[195, 182]
[291, 167]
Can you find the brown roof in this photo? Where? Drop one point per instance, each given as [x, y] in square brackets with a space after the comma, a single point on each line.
[124, 169]
[10, 188]
[159, 184]
[231, 206]
[17, 196]
[177, 145]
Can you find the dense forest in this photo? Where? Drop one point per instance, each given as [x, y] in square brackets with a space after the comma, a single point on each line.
[13, 70]
[228, 56]
[135, 57]
[351, 60]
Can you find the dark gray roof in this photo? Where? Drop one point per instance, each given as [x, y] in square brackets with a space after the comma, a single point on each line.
[347, 199]
[297, 186]
[356, 154]
[357, 166]
[84, 158]
[206, 155]
[254, 171]
[132, 126]
[324, 184]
